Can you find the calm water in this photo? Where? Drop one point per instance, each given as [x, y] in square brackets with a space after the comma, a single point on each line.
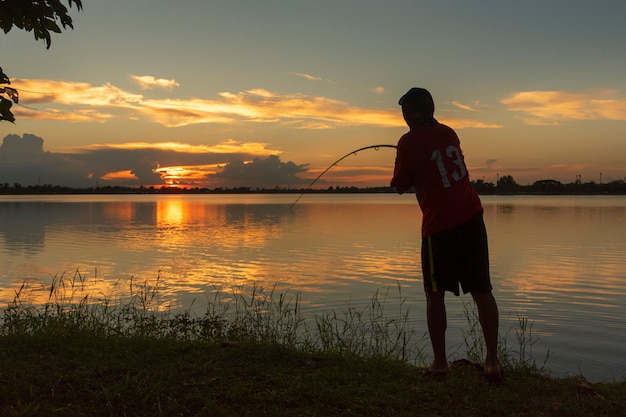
[558, 261]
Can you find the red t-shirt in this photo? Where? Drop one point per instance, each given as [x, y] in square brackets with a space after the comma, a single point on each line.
[429, 158]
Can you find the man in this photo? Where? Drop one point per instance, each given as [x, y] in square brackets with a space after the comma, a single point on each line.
[454, 239]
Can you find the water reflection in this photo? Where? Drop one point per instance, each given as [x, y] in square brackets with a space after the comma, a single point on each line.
[193, 244]
[558, 261]
[22, 227]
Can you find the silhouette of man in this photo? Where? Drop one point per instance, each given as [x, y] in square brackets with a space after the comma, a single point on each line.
[454, 238]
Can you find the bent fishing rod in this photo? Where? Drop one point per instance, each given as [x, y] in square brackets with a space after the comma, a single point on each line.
[376, 147]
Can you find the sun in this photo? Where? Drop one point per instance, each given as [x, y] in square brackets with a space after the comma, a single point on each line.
[187, 176]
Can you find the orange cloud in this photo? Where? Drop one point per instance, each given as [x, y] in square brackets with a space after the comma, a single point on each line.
[257, 105]
[74, 93]
[148, 82]
[118, 175]
[550, 107]
[78, 116]
[170, 170]
[263, 105]
[101, 103]
[230, 146]
[192, 175]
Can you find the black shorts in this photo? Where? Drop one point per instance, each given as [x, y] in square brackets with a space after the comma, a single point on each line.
[457, 256]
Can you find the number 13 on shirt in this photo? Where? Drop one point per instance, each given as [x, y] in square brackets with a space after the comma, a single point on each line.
[454, 154]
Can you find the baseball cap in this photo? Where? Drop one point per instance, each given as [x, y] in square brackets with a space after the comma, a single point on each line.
[418, 96]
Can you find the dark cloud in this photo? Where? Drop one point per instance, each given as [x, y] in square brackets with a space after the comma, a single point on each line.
[269, 172]
[24, 161]
[105, 161]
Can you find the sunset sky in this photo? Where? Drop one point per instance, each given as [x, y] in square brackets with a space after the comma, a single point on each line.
[270, 93]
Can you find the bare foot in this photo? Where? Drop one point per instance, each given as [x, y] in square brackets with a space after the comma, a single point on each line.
[493, 373]
[437, 370]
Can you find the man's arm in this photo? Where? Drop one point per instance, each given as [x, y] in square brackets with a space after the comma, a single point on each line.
[402, 179]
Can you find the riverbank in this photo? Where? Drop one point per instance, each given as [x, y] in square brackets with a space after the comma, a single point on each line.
[82, 374]
[252, 354]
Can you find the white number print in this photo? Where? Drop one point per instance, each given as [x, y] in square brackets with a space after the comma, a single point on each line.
[454, 154]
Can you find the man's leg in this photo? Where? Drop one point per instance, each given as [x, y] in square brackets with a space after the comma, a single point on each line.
[488, 317]
[437, 323]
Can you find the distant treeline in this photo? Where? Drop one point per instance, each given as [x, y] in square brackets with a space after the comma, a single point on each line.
[505, 185]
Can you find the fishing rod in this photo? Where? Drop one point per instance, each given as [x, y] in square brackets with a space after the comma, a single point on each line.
[336, 162]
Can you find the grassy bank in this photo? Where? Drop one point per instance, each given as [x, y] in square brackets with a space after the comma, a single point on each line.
[253, 354]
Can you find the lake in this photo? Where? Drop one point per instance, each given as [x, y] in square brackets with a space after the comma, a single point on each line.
[556, 260]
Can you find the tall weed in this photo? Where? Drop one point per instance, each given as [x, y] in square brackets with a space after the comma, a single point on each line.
[380, 328]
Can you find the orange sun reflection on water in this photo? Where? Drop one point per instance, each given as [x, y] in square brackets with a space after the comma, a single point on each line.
[192, 244]
[195, 245]
[170, 213]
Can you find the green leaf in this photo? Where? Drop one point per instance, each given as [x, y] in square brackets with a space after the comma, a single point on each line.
[79, 4]
[12, 93]
[6, 25]
[5, 110]
[3, 77]
[51, 25]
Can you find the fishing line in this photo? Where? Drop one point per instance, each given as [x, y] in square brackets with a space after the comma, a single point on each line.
[27, 91]
[335, 163]
[34, 92]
